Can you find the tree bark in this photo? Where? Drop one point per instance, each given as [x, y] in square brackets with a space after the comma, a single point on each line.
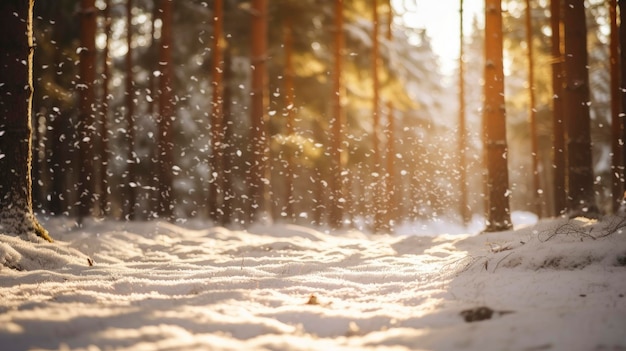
[104, 115]
[377, 168]
[494, 119]
[581, 199]
[86, 181]
[463, 206]
[16, 48]
[166, 114]
[217, 118]
[558, 121]
[622, 58]
[131, 173]
[336, 210]
[536, 197]
[617, 121]
[290, 114]
[392, 210]
[259, 180]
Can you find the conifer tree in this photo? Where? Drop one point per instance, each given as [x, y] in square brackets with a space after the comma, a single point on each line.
[16, 48]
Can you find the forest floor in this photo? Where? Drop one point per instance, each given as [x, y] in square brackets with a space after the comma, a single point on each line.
[556, 285]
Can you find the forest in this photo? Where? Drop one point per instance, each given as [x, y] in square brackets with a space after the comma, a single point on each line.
[312, 175]
[335, 114]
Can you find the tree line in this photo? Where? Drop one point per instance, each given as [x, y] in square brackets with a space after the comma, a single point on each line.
[283, 111]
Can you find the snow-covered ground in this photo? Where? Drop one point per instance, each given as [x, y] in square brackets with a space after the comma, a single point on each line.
[557, 285]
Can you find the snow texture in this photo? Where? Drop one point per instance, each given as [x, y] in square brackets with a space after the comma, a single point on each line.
[557, 285]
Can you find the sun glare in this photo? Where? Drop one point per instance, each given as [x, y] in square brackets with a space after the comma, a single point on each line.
[440, 19]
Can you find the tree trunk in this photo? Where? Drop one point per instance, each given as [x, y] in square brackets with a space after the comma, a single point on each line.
[166, 114]
[290, 114]
[580, 185]
[494, 119]
[336, 208]
[622, 58]
[559, 162]
[537, 198]
[104, 115]
[617, 122]
[229, 139]
[86, 181]
[463, 207]
[217, 118]
[131, 159]
[16, 43]
[377, 168]
[259, 180]
[391, 209]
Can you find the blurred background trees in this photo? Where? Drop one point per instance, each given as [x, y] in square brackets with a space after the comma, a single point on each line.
[184, 130]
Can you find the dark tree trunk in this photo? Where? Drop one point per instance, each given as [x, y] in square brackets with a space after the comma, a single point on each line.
[229, 139]
[131, 182]
[16, 43]
[559, 162]
[617, 123]
[86, 142]
[166, 114]
[217, 119]
[622, 63]
[576, 108]
[104, 115]
[494, 119]
[622, 58]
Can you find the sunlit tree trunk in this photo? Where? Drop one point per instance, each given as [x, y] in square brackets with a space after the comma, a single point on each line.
[259, 181]
[617, 122]
[559, 147]
[16, 93]
[131, 159]
[379, 182]
[536, 197]
[104, 114]
[165, 142]
[392, 208]
[494, 119]
[290, 116]
[86, 181]
[580, 170]
[463, 207]
[336, 211]
[217, 118]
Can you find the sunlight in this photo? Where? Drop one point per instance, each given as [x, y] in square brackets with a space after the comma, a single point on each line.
[440, 20]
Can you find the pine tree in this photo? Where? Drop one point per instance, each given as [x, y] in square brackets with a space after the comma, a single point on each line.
[494, 120]
[86, 180]
[558, 121]
[576, 108]
[16, 47]
[217, 118]
[337, 121]
[259, 182]
[165, 143]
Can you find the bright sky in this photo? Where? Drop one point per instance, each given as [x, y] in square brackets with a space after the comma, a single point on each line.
[441, 20]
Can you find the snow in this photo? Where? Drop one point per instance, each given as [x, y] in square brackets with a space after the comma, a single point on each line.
[555, 285]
